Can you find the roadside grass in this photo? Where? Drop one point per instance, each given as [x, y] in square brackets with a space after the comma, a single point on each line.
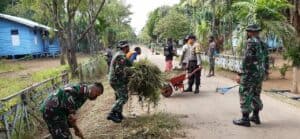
[10, 86]
[4, 67]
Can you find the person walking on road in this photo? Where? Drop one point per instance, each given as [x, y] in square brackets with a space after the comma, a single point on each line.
[119, 73]
[211, 55]
[251, 77]
[132, 56]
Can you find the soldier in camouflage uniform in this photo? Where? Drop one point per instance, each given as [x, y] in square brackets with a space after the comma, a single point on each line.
[119, 73]
[59, 108]
[251, 77]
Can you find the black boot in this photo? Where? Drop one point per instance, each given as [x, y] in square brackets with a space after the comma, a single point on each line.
[255, 117]
[120, 115]
[113, 116]
[197, 90]
[244, 121]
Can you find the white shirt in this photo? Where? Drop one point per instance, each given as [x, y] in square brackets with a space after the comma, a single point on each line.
[186, 52]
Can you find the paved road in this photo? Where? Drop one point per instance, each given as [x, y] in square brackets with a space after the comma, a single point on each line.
[210, 115]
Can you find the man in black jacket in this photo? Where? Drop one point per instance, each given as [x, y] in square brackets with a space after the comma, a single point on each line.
[169, 53]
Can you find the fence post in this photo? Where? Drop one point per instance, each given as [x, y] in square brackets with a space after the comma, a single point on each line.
[65, 77]
[6, 127]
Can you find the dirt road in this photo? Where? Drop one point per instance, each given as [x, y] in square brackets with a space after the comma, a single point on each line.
[210, 115]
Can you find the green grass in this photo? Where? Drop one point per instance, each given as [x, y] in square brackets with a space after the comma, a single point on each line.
[4, 67]
[9, 86]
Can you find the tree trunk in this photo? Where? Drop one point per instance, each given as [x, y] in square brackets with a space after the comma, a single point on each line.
[71, 43]
[295, 80]
[213, 28]
[295, 20]
[62, 49]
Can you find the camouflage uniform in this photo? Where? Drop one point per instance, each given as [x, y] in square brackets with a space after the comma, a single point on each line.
[57, 107]
[252, 74]
[118, 78]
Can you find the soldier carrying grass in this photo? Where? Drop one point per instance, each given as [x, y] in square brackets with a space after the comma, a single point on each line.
[59, 108]
[119, 73]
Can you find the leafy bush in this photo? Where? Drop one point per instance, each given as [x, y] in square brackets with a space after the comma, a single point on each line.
[93, 69]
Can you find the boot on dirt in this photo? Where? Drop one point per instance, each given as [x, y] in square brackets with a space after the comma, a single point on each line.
[120, 115]
[255, 118]
[244, 121]
[113, 116]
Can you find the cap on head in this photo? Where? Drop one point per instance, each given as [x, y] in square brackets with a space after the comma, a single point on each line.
[190, 37]
[253, 28]
[123, 44]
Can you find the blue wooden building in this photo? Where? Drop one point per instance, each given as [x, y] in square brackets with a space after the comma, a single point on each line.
[19, 37]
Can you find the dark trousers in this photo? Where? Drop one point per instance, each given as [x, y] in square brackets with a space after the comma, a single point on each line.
[211, 66]
[195, 78]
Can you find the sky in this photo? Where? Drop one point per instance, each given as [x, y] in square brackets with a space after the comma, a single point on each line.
[142, 8]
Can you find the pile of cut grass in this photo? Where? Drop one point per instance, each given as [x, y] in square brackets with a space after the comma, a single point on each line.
[158, 125]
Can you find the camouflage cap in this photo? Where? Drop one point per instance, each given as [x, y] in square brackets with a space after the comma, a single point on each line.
[253, 28]
[123, 44]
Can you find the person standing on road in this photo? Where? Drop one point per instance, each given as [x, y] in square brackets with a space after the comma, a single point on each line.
[211, 55]
[119, 73]
[251, 78]
[194, 63]
[152, 45]
[59, 108]
[169, 53]
[132, 56]
[185, 53]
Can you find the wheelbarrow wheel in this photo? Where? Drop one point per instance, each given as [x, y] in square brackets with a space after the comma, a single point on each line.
[167, 90]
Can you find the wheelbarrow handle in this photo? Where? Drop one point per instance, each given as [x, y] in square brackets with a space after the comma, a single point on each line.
[194, 71]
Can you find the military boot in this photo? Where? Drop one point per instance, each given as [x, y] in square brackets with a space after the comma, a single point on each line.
[120, 115]
[255, 117]
[113, 116]
[244, 121]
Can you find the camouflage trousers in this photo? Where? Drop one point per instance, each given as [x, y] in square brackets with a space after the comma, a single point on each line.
[59, 129]
[121, 93]
[250, 97]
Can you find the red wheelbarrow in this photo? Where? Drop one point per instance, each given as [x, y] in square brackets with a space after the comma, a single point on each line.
[176, 83]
